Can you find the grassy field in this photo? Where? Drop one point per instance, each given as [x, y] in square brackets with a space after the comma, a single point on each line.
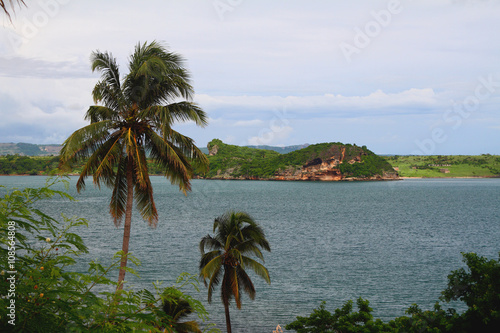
[446, 166]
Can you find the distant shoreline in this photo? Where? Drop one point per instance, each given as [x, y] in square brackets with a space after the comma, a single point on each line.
[465, 177]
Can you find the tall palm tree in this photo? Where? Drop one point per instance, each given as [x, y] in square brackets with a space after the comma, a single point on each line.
[134, 121]
[236, 236]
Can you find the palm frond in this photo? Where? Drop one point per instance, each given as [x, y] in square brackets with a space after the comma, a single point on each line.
[245, 282]
[255, 233]
[196, 158]
[208, 257]
[107, 65]
[143, 196]
[84, 140]
[118, 203]
[214, 281]
[250, 247]
[165, 116]
[100, 164]
[171, 159]
[97, 113]
[257, 267]
[208, 242]
[210, 264]
[3, 5]
[111, 99]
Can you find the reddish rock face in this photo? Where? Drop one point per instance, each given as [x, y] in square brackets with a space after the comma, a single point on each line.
[327, 169]
[318, 168]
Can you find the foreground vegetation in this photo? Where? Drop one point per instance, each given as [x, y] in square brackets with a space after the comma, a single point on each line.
[41, 292]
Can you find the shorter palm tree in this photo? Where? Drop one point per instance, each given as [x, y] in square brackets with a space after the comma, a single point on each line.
[237, 235]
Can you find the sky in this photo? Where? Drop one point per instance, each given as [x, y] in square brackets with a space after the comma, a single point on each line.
[399, 76]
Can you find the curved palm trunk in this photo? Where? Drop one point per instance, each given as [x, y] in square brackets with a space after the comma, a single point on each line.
[228, 319]
[126, 228]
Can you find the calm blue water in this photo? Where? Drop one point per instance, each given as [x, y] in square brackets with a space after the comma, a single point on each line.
[393, 243]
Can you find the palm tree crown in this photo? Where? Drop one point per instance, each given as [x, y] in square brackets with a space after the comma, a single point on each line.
[134, 121]
[236, 237]
[178, 309]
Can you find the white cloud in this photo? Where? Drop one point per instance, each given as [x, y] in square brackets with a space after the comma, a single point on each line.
[377, 102]
[245, 123]
[273, 135]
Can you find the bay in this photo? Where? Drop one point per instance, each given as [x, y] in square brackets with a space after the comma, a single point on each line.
[393, 243]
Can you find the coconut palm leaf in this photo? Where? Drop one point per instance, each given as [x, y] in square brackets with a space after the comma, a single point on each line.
[257, 267]
[97, 113]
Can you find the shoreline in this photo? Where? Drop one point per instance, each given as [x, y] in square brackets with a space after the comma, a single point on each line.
[342, 180]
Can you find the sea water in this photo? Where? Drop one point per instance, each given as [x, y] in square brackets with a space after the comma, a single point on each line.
[393, 243]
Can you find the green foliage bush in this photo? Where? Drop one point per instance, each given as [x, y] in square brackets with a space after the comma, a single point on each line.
[342, 320]
[49, 297]
[25, 165]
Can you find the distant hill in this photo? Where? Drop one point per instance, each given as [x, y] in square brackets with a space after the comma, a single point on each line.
[324, 161]
[29, 149]
[281, 150]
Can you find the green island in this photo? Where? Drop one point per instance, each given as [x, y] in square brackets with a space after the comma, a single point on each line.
[324, 161]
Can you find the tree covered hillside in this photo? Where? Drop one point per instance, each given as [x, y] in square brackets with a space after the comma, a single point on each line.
[229, 161]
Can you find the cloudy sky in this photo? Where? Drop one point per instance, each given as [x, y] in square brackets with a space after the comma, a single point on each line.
[399, 76]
